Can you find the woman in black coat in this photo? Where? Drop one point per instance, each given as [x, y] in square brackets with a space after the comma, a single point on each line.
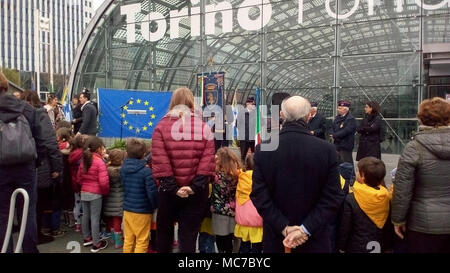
[370, 131]
[76, 113]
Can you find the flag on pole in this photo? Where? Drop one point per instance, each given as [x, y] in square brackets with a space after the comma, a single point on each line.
[258, 117]
[202, 90]
[33, 83]
[65, 102]
[235, 113]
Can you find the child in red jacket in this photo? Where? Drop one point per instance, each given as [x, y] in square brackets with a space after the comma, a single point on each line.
[94, 181]
[75, 157]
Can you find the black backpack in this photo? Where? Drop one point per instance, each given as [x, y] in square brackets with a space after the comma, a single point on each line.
[17, 144]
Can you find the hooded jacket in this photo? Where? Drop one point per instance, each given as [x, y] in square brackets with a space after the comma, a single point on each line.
[75, 158]
[113, 204]
[51, 160]
[140, 192]
[96, 179]
[365, 219]
[422, 183]
[246, 213]
[11, 108]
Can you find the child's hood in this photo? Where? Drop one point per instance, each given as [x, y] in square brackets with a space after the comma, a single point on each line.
[131, 165]
[75, 156]
[374, 202]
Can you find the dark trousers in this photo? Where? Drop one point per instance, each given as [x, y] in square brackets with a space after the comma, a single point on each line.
[427, 243]
[44, 202]
[11, 178]
[247, 247]
[245, 145]
[188, 212]
[225, 243]
[345, 156]
[206, 243]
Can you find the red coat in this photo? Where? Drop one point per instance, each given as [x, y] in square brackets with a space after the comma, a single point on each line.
[183, 158]
[96, 180]
[75, 159]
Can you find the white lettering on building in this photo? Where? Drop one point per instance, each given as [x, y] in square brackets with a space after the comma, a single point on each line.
[246, 20]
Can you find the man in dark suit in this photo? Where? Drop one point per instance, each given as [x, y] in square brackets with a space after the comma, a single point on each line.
[344, 130]
[318, 123]
[296, 188]
[246, 134]
[89, 115]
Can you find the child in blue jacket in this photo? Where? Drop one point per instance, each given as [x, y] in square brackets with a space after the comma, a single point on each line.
[140, 198]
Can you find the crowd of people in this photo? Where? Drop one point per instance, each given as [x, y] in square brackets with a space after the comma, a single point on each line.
[303, 197]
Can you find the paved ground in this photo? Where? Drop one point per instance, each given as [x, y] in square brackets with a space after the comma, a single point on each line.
[65, 244]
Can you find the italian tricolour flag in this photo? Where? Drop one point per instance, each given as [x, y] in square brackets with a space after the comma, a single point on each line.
[258, 117]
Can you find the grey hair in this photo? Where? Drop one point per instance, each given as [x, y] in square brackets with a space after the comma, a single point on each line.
[296, 108]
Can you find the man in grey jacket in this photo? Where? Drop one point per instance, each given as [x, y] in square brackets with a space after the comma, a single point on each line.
[89, 115]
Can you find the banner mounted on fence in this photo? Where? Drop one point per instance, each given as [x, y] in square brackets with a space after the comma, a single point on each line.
[131, 113]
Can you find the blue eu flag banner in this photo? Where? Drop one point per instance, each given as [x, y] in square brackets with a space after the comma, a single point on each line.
[135, 113]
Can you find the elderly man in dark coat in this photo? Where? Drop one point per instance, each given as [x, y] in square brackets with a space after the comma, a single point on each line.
[344, 130]
[318, 123]
[296, 188]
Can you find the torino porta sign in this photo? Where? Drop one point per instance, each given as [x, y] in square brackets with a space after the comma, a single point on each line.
[225, 8]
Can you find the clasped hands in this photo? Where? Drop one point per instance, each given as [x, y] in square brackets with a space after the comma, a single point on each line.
[294, 236]
[184, 192]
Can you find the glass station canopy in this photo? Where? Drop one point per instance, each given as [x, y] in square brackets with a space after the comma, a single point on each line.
[369, 50]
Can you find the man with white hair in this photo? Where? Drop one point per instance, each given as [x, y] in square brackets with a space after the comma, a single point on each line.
[296, 188]
[344, 130]
[317, 123]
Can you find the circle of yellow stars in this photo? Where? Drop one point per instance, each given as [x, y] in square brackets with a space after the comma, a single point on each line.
[145, 127]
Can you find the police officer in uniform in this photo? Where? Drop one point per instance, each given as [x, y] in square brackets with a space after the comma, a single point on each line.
[343, 132]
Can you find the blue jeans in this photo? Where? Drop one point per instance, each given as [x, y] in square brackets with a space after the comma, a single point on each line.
[14, 177]
[206, 243]
[53, 220]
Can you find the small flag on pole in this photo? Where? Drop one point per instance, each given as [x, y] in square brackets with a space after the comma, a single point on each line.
[258, 117]
[202, 90]
[235, 113]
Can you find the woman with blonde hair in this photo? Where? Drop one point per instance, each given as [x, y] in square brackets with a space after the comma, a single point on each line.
[183, 165]
[421, 202]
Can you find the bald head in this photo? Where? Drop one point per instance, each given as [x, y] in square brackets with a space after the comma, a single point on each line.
[295, 108]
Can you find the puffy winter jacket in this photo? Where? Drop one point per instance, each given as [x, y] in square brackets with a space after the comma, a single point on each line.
[422, 183]
[246, 213]
[356, 230]
[113, 204]
[75, 159]
[140, 192]
[96, 179]
[52, 160]
[184, 158]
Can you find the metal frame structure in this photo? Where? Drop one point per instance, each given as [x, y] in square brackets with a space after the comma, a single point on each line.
[362, 58]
